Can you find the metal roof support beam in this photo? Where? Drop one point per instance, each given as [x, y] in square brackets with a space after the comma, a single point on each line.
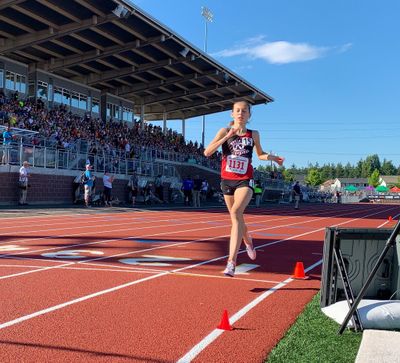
[164, 122]
[23, 41]
[35, 16]
[126, 91]
[60, 10]
[90, 7]
[130, 71]
[193, 92]
[183, 128]
[188, 105]
[157, 115]
[142, 117]
[6, 3]
[97, 54]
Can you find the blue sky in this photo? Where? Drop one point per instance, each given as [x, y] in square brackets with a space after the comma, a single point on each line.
[332, 67]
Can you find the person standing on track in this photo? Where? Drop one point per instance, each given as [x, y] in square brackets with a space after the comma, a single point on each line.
[107, 183]
[88, 184]
[23, 184]
[133, 188]
[296, 194]
[237, 143]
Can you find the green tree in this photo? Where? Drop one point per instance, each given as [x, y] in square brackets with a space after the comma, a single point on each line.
[339, 171]
[313, 177]
[369, 165]
[350, 171]
[358, 169]
[288, 175]
[388, 168]
[374, 178]
[327, 172]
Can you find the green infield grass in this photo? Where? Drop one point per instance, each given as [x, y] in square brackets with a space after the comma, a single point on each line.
[314, 338]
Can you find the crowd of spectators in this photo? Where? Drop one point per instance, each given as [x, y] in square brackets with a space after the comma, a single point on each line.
[60, 128]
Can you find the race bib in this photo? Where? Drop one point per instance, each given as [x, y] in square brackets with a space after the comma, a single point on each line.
[236, 164]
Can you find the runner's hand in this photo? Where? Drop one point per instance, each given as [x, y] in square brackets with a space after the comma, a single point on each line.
[232, 131]
[278, 159]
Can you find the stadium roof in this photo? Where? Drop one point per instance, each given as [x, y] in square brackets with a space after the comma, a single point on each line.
[116, 47]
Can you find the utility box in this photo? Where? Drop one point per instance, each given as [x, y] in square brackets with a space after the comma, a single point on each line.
[360, 249]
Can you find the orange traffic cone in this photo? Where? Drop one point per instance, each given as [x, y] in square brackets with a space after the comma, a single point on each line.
[224, 324]
[390, 218]
[299, 271]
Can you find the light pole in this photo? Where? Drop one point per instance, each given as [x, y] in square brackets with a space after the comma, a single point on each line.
[208, 18]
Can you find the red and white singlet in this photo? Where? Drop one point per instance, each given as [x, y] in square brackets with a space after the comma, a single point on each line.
[237, 153]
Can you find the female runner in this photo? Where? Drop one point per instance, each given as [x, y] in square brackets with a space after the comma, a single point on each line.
[237, 143]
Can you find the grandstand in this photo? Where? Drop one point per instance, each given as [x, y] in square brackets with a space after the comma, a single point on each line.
[100, 65]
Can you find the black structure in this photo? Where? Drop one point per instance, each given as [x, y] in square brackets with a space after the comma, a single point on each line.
[354, 265]
[389, 244]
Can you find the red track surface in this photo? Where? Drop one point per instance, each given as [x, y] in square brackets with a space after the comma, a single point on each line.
[89, 305]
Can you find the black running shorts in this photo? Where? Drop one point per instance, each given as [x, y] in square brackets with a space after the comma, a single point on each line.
[228, 187]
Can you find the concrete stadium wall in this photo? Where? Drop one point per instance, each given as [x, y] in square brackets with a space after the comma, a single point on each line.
[50, 186]
[212, 176]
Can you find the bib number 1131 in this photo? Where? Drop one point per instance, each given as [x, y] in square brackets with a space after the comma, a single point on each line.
[236, 164]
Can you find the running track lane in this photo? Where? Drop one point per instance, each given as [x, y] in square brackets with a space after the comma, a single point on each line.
[155, 320]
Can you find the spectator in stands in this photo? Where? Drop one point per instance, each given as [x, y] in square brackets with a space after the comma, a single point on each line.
[107, 183]
[7, 138]
[88, 184]
[237, 172]
[133, 188]
[62, 129]
[196, 191]
[187, 188]
[296, 194]
[23, 182]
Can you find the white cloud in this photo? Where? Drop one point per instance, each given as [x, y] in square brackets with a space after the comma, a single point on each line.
[280, 52]
[345, 48]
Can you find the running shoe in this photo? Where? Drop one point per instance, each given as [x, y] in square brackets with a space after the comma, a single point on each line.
[230, 269]
[251, 252]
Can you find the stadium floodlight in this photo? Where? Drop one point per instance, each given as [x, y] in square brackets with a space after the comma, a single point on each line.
[208, 18]
[208, 15]
[121, 11]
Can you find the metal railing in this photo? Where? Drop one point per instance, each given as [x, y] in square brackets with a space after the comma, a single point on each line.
[52, 158]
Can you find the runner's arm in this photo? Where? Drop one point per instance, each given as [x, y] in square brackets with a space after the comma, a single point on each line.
[262, 155]
[219, 139]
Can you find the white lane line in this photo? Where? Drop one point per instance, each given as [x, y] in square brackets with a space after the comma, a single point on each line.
[177, 244]
[160, 234]
[144, 271]
[71, 302]
[320, 212]
[244, 268]
[32, 271]
[198, 348]
[119, 287]
[223, 277]
[226, 235]
[204, 343]
[384, 223]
